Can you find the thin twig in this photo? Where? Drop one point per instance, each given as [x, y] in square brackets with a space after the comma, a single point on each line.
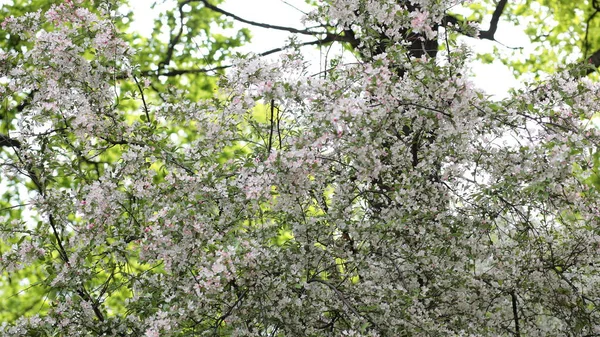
[141, 90]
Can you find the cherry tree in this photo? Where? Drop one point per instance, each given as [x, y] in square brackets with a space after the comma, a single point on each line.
[383, 197]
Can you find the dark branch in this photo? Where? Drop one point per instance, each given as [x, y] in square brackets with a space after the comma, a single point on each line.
[253, 23]
[456, 25]
[489, 34]
[484, 34]
[594, 61]
[586, 42]
[328, 39]
[174, 40]
[7, 141]
[177, 72]
[513, 298]
[141, 90]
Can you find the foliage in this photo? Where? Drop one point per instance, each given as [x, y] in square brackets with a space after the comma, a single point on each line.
[387, 197]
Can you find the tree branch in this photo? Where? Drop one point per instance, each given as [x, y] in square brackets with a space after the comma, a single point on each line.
[484, 34]
[7, 141]
[489, 34]
[176, 72]
[593, 60]
[515, 311]
[141, 90]
[174, 40]
[254, 23]
[339, 294]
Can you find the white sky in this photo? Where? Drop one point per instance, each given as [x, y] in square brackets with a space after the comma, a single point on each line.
[495, 79]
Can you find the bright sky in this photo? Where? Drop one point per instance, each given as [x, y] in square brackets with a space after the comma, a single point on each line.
[495, 79]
